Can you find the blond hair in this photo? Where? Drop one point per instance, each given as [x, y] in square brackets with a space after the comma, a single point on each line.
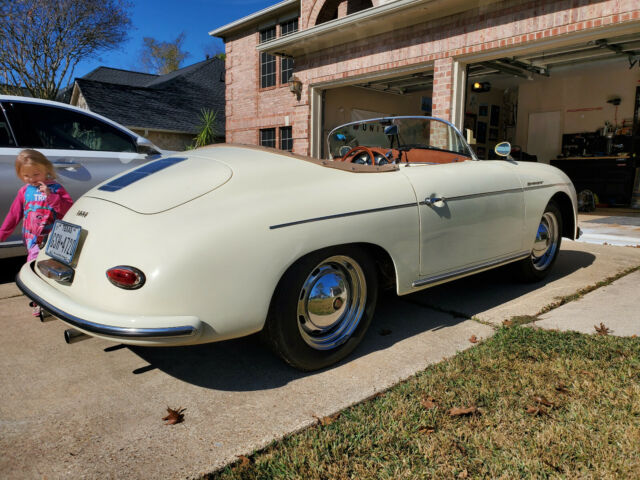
[34, 157]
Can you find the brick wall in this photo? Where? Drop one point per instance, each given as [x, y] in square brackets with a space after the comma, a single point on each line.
[436, 44]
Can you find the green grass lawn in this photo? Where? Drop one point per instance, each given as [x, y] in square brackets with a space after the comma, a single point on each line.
[547, 405]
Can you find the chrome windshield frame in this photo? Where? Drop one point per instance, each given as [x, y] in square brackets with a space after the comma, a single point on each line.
[403, 117]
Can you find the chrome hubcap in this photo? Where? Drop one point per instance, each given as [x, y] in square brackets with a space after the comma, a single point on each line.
[331, 302]
[546, 243]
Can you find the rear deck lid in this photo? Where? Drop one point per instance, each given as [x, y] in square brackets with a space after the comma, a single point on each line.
[164, 184]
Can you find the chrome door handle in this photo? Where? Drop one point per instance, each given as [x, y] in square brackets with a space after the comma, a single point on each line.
[432, 201]
[67, 165]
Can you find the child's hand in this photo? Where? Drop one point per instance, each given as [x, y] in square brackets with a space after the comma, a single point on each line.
[44, 189]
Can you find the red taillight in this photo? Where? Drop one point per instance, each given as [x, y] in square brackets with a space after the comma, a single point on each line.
[129, 278]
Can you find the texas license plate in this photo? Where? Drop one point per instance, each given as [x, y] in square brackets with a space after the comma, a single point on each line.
[63, 241]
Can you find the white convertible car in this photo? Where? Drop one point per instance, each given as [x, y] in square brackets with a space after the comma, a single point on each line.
[229, 240]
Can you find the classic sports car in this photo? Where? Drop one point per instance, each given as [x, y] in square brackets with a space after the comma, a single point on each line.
[229, 240]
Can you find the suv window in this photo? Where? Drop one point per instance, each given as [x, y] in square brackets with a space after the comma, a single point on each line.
[5, 134]
[44, 126]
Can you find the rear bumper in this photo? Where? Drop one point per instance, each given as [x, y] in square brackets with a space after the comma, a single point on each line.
[137, 330]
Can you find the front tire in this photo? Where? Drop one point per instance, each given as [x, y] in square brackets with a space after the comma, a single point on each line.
[545, 246]
[322, 307]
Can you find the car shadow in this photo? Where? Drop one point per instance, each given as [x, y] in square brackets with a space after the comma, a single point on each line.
[245, 364]
[472, 295]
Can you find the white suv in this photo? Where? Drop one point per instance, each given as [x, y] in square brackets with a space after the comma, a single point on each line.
[85, 149]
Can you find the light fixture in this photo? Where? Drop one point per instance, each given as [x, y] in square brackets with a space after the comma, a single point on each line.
[295, 86]
[480, 87]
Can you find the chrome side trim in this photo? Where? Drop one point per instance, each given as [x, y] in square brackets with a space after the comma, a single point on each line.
[99, 329]
[406, 205]
[478, 195]
[469, 270]
[341, 215]
[500, 192]
[538, 187]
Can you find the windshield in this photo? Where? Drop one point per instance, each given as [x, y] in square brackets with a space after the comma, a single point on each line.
[397, 133]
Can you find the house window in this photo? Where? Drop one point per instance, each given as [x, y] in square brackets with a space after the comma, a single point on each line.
[267, 61]
[286, 63]
[286, 138]
[288, 27]
[286, 69]
[268, 137]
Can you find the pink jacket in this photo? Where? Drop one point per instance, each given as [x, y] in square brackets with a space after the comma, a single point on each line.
[39, 212]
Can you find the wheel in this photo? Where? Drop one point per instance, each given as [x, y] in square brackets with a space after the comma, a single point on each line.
[322, 307]
[545, 247]
[360, 149]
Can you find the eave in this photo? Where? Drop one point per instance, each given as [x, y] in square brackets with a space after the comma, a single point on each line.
[255, 18]
[365, 24]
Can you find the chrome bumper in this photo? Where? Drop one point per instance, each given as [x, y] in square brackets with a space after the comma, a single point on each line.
[101, 329]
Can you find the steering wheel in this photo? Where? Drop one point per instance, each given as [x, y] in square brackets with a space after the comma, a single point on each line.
[360, 148]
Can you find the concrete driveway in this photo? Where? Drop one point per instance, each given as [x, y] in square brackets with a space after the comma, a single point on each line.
[94, 409]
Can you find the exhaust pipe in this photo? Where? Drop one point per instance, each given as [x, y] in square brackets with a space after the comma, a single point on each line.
[46, 316]
[71, 335]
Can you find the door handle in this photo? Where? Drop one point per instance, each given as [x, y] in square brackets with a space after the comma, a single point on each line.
[434, 201]
[67, 165]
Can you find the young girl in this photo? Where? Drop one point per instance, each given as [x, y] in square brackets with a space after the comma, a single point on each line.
[39, 202]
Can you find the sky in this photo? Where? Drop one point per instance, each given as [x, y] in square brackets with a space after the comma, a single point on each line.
[164, 20]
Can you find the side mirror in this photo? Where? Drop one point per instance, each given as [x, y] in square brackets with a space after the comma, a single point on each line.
[503, 149]
[145, 146]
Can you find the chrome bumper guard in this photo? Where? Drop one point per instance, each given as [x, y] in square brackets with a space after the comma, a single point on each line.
[107, 330]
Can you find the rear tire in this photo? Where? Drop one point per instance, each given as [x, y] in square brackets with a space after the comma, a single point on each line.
[545, 247]
[322, 307]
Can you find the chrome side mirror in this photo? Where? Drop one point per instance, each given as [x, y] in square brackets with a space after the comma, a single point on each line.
[145, 146]
[503, 149]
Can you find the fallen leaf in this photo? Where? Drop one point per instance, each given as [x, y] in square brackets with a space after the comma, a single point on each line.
[428, 403]
[602, 330]
[587, 373]
[328, 420]
[175, 416]
[473, 339]
[244, 463]
[507, 323]
[463, 474]
[384, 332]
[536, 410]
[634, 336]
[426, 430]
[542, 400]
[457, 412]
[562, 388]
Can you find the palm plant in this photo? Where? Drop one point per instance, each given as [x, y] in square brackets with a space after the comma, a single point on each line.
[207, 128]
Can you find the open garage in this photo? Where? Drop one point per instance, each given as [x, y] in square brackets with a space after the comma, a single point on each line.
[572, 106]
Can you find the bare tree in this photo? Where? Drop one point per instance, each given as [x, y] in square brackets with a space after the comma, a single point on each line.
[42, 41]
[162, 57]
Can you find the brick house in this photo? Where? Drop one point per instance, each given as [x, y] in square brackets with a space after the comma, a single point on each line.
[550, 68]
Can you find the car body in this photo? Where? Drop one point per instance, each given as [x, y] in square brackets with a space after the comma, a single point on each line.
[85, 149]
[229, 240]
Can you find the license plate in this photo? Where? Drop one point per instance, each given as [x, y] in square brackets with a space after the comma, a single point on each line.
[63, 241]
